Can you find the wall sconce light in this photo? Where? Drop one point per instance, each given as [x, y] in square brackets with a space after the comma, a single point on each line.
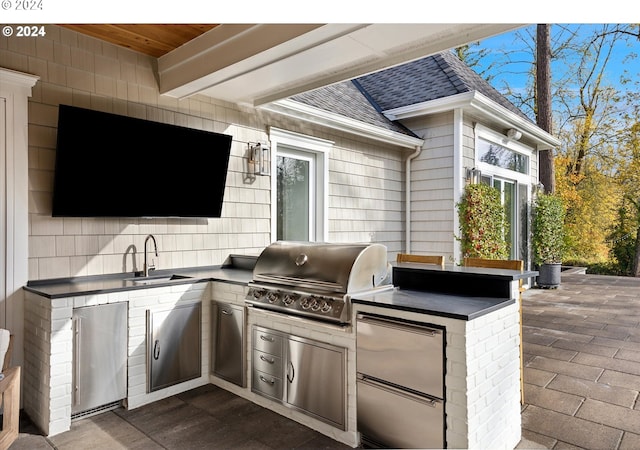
[514, 134]
[259, 158]
[473, 175]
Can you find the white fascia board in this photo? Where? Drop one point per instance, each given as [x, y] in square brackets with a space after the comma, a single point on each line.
[430, 107]
[481, 105]
[328, 119]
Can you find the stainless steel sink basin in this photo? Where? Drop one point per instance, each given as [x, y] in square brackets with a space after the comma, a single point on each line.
[157, 279]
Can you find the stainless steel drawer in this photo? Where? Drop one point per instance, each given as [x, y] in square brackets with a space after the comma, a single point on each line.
[267, 363]
[398, 419]
[265, 384]
[401, 353]
[267, 341]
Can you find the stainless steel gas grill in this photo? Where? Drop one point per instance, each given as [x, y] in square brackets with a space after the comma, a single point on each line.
[317, 280]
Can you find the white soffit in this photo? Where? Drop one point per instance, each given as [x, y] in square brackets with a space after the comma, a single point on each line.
[260, 63]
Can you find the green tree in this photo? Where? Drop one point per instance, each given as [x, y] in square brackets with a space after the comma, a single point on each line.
[589, 119]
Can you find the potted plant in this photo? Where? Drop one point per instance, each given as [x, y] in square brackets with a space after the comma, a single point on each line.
[482, 223]
[548, 239]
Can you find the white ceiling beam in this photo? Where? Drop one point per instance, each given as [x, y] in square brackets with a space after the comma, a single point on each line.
[258, 64]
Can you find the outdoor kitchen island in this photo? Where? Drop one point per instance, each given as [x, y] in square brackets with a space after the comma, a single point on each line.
[477, 311]
[478, 316]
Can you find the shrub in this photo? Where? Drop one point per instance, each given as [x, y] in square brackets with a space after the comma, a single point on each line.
[548, 229]
[482, 223]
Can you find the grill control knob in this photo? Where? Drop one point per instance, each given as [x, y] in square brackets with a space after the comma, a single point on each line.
[272, 297]
[326, 306]
[289, 299]
[309, 303]
[257, 293]
[317, 304]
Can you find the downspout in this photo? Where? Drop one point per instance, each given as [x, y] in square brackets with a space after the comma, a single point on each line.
[457, 177]
[408, 197]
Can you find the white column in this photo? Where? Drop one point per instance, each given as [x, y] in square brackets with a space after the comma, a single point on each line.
[15, 90]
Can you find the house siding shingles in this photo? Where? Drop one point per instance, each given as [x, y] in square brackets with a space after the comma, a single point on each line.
[432, 187]
[366, 196]
[365, 176]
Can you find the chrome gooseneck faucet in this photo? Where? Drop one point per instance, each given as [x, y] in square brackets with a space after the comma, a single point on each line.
[146, 266]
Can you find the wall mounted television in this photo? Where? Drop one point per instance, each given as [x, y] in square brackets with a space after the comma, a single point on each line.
[108, 165]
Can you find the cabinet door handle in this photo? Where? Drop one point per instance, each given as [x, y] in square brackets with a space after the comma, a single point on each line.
[271, 381]
[225, 312]
[267, 360]
[266, 338]
[292, 372]
[156, 350]
[76, 362]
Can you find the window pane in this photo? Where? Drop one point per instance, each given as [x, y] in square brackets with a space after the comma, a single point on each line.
[293, 199]
[511, 212]
[499, 156]
[524, 223]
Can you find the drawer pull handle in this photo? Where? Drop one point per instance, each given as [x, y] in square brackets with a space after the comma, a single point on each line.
[267, 360]
[271, 382]
[266, 338]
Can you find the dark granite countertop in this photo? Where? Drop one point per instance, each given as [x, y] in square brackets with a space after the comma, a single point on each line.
[102, 284]
[238, 270]
[432, 303]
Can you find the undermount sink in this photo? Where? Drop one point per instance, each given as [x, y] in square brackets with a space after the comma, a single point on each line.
[157, 279]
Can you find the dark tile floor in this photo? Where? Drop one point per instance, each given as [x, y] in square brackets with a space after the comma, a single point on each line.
[203, 418]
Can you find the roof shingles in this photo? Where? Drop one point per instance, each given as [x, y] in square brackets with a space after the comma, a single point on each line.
[434, 77]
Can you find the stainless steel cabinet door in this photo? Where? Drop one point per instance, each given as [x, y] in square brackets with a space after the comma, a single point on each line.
[229, 342]
[174, 345]
[398, 419]
[316, 379]
[100, 355]
[401, 353]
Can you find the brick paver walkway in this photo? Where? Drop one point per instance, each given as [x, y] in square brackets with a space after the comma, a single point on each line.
[582, 364]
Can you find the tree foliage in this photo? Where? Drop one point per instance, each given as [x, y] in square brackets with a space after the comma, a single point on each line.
[595, 116]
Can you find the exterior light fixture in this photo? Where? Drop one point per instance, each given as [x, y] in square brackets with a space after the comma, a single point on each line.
[259, 158]
[473, 175]
[514, 134]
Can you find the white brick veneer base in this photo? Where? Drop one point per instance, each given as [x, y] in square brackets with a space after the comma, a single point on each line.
[48, 363]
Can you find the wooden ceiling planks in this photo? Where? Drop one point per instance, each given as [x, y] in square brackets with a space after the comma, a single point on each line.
[150, 39]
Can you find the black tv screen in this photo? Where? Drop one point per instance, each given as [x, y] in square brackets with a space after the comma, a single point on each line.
[108, 165]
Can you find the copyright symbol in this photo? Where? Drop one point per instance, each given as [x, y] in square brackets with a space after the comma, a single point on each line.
[7, 31]
[6, 4]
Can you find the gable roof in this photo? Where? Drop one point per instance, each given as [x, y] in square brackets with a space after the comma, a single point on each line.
[347, 100]
[434, 77]
[437, 76]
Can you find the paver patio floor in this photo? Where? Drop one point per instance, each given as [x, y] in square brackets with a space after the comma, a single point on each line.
[582, 364]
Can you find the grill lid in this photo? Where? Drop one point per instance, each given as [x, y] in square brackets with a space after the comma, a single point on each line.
[324, 267]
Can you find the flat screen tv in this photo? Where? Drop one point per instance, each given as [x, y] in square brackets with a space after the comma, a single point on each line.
[108, 165]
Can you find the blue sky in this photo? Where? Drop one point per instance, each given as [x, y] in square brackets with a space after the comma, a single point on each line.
[515, 73]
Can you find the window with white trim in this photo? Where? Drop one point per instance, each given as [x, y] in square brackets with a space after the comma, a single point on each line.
[299, 194]
[506, 165]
